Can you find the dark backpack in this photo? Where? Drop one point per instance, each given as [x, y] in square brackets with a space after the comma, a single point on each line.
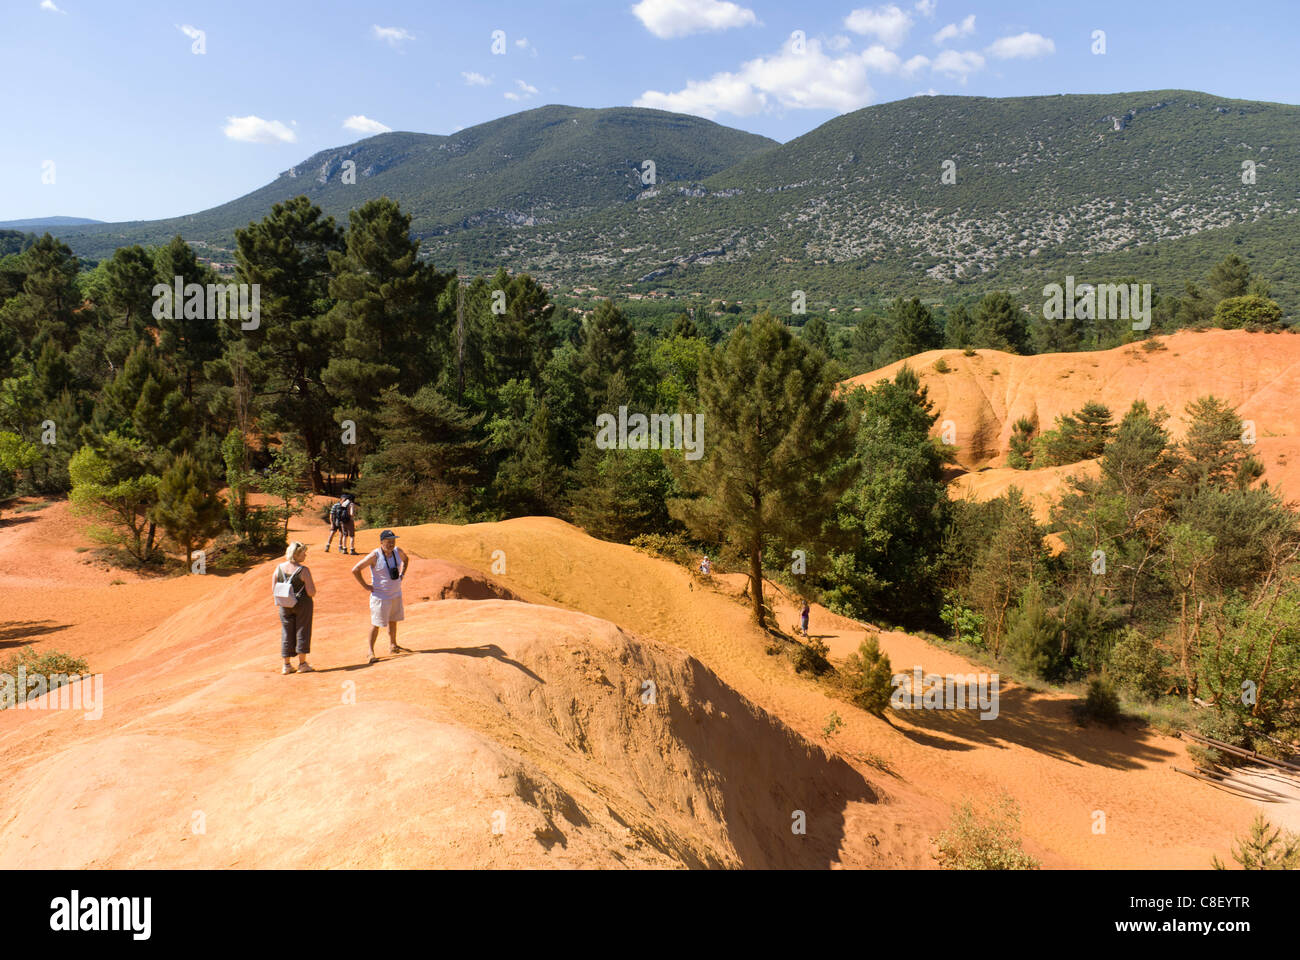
[337, 513]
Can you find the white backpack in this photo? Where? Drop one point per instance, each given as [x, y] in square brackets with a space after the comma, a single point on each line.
[283, 589]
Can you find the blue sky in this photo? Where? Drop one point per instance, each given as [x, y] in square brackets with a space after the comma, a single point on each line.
[137, 125]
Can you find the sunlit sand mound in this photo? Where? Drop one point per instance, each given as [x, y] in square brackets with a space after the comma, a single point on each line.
[526, 717]
[1042, 487]
[985, 394]
[513, 735]
[1058, 772]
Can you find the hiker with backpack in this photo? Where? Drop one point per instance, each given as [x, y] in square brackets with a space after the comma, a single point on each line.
[388, 565]
[343, 522]
[293, 589]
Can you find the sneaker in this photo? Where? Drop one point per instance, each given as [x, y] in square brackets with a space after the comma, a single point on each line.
[288, 668]
[306, 668]
[327, 549]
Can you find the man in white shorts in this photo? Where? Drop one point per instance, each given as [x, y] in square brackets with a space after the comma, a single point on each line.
[388, 565]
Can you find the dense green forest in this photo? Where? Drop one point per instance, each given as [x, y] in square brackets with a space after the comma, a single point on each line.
[445, 398]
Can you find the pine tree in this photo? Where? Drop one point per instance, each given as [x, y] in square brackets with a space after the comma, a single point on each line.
[776, 445]
[620, 494]
[187, 508]
[957, 330]
[817, 335]
[871, 678]
[1266, 848]
[1213, 454]
[608, 347]
[49, 298]
[287, 255]
[1020, 455]
[914, 328]
[684, 326]
[894, 516]
[187, 342]
[1229, 278]
[1000, 324]
[385, 322]
[429, 464]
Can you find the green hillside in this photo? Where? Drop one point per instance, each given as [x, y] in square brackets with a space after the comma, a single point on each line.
[1044, 186]
[1147, 185]
[540, 166]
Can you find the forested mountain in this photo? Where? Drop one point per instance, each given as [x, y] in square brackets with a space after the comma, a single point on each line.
[540, 166]
[1043, 186]
[1147, 185]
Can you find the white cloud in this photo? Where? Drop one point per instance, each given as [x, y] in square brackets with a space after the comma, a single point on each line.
[360, 123]
[393, 36]
[926, 93]
[192, 32]
[524, 92]
[1023, 46]
[915, 65]
[925, 8]
[256, 130]
[579, 56]
[838, 42]
[49, 5]
[958, 65]
[954, 30]
[475, 79]
[889, 24]
[879, 59]
[679, 18]
[812, 80]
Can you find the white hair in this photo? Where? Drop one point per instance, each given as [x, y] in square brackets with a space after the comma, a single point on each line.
[293, 550]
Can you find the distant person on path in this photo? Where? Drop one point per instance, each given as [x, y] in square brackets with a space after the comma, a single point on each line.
[388, 565]
[349, 524]
[803, 618]
[293, 589]
[706, 567]
[338, 511]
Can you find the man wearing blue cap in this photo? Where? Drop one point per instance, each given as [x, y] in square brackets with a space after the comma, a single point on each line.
[388, 565]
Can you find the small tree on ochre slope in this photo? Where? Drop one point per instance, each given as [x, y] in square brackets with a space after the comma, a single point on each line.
[776, 447]
[187, 508]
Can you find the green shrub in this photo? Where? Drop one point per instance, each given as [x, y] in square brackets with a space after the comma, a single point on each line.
[672, 546]
[833, 725]
[1137, 664]
[1102, 702]
[941, 366]
[810, 657]
[870, 677]
[46, 664]
[990, 842]
[966, 625]
[1266, 848]
[1220, 724]
[1034, 637]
